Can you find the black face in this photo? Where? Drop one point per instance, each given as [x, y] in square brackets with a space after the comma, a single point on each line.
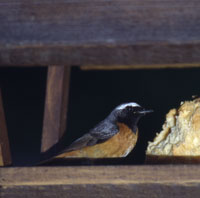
[130, 116]
[129, 111]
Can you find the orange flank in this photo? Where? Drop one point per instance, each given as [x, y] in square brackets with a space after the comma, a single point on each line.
[120, 145]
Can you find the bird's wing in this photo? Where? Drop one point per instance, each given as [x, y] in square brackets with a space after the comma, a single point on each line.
[85, 140]
[97, 135]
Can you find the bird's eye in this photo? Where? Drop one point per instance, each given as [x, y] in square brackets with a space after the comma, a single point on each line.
[129, 109]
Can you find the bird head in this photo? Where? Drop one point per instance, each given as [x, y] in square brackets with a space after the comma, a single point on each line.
[131, 109]
[129, 114]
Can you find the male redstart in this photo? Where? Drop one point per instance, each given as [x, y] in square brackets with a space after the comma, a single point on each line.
[115, 136]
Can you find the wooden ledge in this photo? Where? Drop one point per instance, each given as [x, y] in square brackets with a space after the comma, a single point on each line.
[99, 32]
[101, 181]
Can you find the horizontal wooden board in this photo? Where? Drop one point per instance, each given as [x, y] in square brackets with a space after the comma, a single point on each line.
[99, 32]
[101, 181]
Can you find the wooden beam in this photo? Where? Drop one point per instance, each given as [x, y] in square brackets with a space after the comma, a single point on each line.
[128, 67]
[5, 155]
[55, 113]
[101, 181]
[99, 32]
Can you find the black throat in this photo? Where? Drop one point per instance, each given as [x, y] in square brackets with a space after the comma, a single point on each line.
[131, 122]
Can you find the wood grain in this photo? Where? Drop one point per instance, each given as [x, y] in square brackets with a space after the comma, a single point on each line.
[135, 67]
[101, 181]
[5, 155]
[55, 114]
[99, 32]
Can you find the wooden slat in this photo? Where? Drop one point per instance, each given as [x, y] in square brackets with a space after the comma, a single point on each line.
[128, 67]
[108, 181]
[5, 155]
[55, 114]
[99, 32]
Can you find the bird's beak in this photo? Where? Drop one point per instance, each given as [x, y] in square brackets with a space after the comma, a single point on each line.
[145, 111]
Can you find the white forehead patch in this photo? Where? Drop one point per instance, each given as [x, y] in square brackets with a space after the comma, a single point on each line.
[123, 106]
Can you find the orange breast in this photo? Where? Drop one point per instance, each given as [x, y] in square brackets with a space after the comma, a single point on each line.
[119, 145]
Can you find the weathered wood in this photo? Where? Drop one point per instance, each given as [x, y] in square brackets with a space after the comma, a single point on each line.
[109, 181]
[55, 114]
[5, 155]
[128, 67]
[99, 32]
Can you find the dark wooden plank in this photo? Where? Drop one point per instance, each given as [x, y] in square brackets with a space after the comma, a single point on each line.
[103, 191]
[5, 155]
[55, 114]
[105, 181]
[99, 32]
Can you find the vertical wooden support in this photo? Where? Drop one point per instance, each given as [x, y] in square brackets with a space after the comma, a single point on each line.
[55, 113]
[5, 156]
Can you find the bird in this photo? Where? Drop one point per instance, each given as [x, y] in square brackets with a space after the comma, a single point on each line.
[113, 137]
